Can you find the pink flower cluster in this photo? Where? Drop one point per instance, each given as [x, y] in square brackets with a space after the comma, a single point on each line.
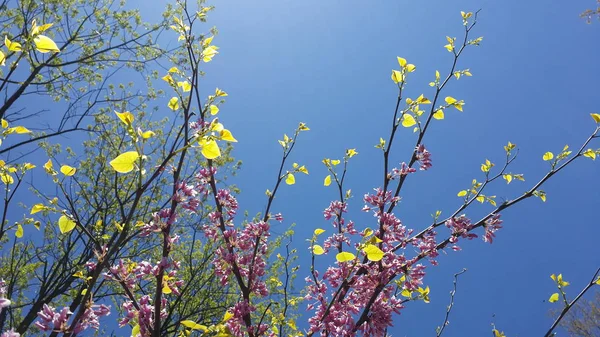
[424, 157]
[50, 320]
[4, 303]
[360, 295]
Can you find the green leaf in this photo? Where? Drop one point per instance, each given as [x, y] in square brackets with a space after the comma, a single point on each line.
[125, 162]
[65, 224]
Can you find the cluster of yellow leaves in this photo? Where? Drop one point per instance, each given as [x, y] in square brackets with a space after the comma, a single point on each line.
[497, 333]
[42, 43]
[560, 283]
[450, 46]
[290, 179]
[398, 76]
[453, 102]
[216, 330]
[6, 130]
[485, 167]
[180, 28]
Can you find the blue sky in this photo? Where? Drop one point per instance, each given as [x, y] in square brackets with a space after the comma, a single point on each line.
[328, 63]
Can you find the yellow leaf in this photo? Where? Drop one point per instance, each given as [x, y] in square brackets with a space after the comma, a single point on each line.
[65, 224]
[290, 180]
[408, 121]
[302, 127]
[318, 250]
[208, 53]
[507, 177]
[37, 208]
[450, 100]
[302, 169]
[48, 166]
[498, 333]
[319, 231]
[28, 166]
[44, 27]
[11, 45]
[67, 170]
[19, 232]
[351, 153]
[335, 162]
[125, 117]
[45, 44]
[548, 156]
[345, 257]
[2, 58]
[135, 331]
[227, 136]
[148, 134]
[220, 93]
[4, 123]
[327, 180]
[169, 79]
[173, 70]
[210, 149]
[125, 162]
[590, 154]
[406, 293]
[596, 117]
[193, 325]
[401, 61]
[214, 110]
[185, 86]
[553, 298]
[397, 76]
[423, 100]
[19, 130]
[166, 289]
[6, 178]
[373, 253]
[207, 41]
[174, 103]
[481, 198]
[410, 68]
[439, 114]
[462, 193]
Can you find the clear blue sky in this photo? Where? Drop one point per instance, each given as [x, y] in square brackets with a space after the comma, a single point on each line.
[328, 63]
